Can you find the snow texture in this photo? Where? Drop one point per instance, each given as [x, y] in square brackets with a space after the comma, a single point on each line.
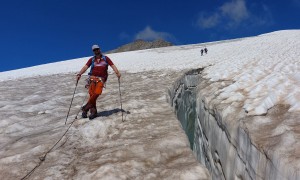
[150, 144]
[264, 71]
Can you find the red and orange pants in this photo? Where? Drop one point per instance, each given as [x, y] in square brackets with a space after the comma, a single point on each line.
[95, 90]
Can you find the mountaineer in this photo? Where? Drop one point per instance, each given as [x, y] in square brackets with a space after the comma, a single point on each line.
[205, 50]
[97, 78]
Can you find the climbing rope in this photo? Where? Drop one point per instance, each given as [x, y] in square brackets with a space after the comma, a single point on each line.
[44, 157]
[71, 102]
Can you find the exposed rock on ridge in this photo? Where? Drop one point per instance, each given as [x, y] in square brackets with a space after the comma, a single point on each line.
[141, 44]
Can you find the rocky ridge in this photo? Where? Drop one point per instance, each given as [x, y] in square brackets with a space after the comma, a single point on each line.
[140, 45]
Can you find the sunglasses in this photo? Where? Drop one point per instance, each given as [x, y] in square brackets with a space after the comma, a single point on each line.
[96, 49]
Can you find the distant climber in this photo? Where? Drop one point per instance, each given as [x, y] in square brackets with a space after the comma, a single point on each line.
[205, 50]
[97, 78]
[202, 52]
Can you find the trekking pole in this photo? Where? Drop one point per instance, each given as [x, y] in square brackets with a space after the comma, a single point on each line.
[71, 102]
[120, 98]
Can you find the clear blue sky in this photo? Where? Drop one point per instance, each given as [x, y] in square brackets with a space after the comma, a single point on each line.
[36, 32]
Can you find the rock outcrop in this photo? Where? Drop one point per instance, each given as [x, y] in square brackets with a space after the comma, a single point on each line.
[141, 44]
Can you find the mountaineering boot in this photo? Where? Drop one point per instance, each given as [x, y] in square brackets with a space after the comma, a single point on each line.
[85, 109]
[84, 114]
[93, 112]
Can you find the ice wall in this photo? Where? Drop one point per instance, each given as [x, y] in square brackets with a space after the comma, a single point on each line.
[224, 138]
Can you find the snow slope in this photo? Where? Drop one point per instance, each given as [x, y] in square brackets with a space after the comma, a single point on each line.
[264, 71]
[149, 144]
[266, 67]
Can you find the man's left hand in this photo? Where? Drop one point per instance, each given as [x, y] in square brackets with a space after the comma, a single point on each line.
[119, 75]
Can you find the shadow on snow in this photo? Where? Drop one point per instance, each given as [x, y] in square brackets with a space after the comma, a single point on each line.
[110, 112]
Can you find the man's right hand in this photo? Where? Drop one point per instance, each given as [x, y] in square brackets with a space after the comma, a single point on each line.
[119, 75]
[78, 77]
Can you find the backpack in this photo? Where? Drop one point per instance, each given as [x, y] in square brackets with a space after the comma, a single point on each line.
[93, 63]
